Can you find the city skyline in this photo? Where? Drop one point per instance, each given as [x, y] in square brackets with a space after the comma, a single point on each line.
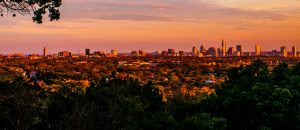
[202, 50]
[157, 24]
[54, 48]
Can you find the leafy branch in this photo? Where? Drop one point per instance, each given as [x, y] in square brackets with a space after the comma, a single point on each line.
[27, 7]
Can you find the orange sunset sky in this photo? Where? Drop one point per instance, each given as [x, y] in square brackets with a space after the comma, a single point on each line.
[155, 25]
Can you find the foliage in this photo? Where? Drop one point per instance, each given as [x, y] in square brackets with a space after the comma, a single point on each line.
[37, 7]
[256, 98]
[204, 121]
[253, 97]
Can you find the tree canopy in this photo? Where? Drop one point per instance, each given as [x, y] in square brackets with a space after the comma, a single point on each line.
[253, 97]
[27, 7]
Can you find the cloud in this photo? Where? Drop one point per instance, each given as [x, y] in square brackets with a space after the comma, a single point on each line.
[165, 10]
[7, 22]
[79, 14]
[135, 17]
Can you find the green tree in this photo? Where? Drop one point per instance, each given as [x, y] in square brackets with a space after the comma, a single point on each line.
[254, 98]
[281, 74]
[21, 106]
[204, 121]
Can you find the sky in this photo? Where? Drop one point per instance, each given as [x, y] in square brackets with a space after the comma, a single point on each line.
[156, 25]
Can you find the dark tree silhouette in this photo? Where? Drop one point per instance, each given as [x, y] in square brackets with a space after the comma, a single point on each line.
[27, 7]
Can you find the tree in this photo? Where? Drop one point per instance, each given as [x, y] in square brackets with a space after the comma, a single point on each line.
[37, 7]
[255, 98]
[204, 121]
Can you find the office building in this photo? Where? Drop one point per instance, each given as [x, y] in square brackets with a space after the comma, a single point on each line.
[195, 51]
[202, 49]
[257, 49]
[294, 50]
[64, 54]
[219, 51]
[114, 52]
[224, 48]
[87, 52]
[231, 51]
[212, 51]
[239, 50]
[45, 51]
[283, 51]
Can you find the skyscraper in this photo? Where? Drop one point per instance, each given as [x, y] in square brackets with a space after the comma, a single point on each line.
[239, 50]
[231, 51]
[257, 49]
[212, 51]
[294, 49]
[283, 51]
[219, 51]
[223, 49]
[195, 51]
[202, 49]
[114, 52]
[87, 52]
[45, 51]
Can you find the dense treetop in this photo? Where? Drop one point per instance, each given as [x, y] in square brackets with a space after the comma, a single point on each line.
[253, 97]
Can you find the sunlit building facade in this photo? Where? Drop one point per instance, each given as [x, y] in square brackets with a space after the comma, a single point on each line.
[231, 51]
[294, 50]
[224, 48]
[195, 51]
[114, 52]
[283, 51]
[239, 50]
[45, 51]
[257, 49]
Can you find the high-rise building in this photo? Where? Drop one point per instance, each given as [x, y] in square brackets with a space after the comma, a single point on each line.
[231, 51]
[64, 54]
[294, 49]
[257, 49]
[212, 51]
[202, 49]
[45, 51]
[239, 50]
[195, 51]
[224, 47]
[283, 51]
[219, 51]
[114, 52]
[87, 52]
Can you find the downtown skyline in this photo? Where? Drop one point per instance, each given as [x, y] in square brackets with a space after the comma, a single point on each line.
[156, 25]
[81, 49]
[220, 51]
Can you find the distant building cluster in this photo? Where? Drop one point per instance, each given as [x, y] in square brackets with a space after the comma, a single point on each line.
[221, 51]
